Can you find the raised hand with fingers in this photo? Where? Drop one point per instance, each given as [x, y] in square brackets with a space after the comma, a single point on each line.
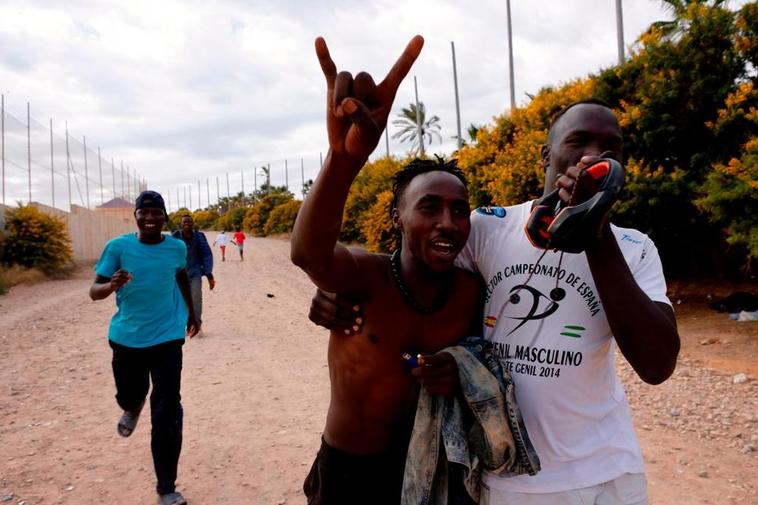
[357, 108]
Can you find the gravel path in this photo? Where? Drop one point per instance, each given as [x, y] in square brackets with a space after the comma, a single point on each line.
[255, 391]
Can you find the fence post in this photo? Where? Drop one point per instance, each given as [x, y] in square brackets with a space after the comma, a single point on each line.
[29, 147]
[86, 169]
[113, 177]
[100, 167]
[52, 163]
[2, 139]
[68, 169]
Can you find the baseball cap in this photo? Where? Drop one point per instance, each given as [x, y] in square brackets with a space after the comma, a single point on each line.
[151, 200]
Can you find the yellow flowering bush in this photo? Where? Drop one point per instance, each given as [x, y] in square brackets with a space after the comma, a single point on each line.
[36, 240]
[282, 217]
[377, 226]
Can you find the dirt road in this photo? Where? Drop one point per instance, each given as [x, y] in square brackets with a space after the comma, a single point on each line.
[255, 392]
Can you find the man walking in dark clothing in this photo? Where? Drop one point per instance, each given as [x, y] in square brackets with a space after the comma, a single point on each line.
[199, 262]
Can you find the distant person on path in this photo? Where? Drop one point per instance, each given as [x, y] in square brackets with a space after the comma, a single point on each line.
[147, 272]
[222, 239]
[199, 263]
[239, 239]
[555, 320]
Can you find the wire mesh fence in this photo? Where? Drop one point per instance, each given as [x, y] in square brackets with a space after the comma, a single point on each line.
[49, 165]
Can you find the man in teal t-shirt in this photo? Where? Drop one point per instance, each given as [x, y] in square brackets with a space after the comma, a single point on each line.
[147, 270]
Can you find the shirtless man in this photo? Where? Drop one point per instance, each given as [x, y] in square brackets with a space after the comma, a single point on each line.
[415, 302]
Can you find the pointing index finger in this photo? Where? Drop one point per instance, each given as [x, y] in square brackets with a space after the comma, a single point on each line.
[325, 60]
[403, 64]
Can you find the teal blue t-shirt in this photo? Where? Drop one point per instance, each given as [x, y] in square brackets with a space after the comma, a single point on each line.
[151, 309]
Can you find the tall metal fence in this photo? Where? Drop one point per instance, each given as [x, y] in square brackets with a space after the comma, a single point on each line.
[210, 190]
[48, 164]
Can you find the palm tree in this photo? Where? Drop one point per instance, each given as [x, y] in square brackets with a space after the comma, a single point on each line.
[267, 174]
[472, 131]
[409, 129]
[307, 185]
[672, 29]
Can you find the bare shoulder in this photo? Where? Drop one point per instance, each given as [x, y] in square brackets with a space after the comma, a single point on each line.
[366, 258]
[373, 267]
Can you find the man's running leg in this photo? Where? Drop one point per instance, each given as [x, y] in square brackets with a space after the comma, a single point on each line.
[166, 412]
[132, 376]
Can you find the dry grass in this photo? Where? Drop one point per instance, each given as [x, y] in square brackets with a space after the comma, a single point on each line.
[14, 275]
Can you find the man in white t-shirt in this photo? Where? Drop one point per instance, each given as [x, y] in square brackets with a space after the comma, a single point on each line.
[554, 321]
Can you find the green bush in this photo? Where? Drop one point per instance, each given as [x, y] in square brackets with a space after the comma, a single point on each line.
[36, 240]
[282, 218]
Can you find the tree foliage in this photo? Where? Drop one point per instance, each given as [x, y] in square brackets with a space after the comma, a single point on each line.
[377, 226]
[504, 166]
[374, 178]
[205, 219]
[34, 239]
[256, 217]
[686, 101]
[282, 218]
[232, 219]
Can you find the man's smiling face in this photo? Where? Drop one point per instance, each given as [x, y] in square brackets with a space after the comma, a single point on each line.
[150, 221]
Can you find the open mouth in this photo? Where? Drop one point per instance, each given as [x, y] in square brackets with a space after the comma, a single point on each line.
[151, 226]
[445, 247]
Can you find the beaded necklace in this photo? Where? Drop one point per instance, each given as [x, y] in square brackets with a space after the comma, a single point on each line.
[438, 302]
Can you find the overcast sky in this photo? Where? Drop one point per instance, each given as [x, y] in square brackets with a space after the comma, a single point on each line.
[183, 91]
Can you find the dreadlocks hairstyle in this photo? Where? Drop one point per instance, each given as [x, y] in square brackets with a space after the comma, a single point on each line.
[418, 166]
[558, 115]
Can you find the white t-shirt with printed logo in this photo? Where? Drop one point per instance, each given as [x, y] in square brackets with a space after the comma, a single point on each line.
[549, 328]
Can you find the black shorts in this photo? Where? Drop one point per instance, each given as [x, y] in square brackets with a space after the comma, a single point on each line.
[340, 478]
